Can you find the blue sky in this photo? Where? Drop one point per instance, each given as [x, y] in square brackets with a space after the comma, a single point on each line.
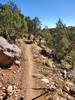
[48, 11]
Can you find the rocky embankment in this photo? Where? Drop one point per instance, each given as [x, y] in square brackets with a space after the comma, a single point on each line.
[54, 81]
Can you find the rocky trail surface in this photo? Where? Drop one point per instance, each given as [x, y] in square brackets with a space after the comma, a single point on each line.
[36, 78]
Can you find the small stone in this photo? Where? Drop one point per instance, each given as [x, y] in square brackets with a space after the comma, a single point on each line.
[45, 80]
[14, 72]
[1, 97]
[17, 62]
[1, 92]
[10, 90]
[66, 88]
[4, 94]
[65, 73]
[4, 88]
[14, 87]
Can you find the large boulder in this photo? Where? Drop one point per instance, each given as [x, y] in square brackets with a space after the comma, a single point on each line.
[8, 52]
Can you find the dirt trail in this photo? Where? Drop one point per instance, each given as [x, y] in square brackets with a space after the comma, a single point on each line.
[30, 81]
[27, 81]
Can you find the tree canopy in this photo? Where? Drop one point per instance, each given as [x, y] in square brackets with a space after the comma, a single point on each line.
[11, 21]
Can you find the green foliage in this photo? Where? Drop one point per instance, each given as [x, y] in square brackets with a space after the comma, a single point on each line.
[60, 24]
[69, 60]
[65, 64]
[61, 43]
[66, 45]
[72, 54]
[29, 24]
[12, 6]
[34, 25]
[45, 33]
[11, 22]
[72, 36]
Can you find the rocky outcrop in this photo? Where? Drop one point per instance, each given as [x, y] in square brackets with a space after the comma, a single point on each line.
[8, 52]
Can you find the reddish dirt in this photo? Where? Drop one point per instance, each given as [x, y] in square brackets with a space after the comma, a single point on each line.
[22, 76]
[27, 80]
[29, 83]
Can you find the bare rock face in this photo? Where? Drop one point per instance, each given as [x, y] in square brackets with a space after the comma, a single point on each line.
[8, 52]
[9, 49]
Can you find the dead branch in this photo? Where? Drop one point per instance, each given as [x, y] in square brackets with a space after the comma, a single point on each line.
[71, 93]
[40, 95]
